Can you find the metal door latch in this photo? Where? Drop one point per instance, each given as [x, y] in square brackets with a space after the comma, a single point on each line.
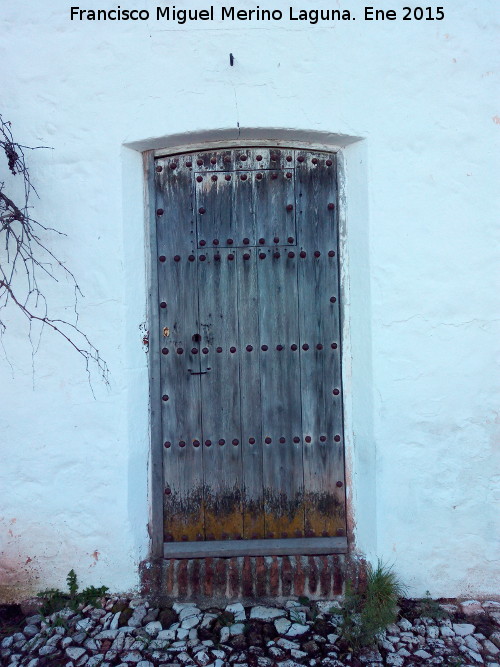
[199, 372]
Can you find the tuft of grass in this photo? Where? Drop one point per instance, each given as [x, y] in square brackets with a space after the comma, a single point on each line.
[431, 608]
[54, 599]
[366, 614]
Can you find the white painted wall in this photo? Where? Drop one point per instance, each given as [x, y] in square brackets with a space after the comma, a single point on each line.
[421, 306]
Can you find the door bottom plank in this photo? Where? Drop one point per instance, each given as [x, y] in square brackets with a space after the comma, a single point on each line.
[309, 546]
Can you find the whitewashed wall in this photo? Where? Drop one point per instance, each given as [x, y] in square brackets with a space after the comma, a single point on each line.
[421, 308]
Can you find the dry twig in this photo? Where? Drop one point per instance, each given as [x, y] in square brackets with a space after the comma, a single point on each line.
[26, 256]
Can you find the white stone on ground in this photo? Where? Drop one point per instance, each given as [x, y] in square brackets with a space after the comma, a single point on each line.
[236, 629]
[490, 648]
[178, 606]
[286, 644]
[297, 629]
[282, 625]
[168, 634]
[147, 644]
[187, 612]
[472, 608]
[191, 622]
[394, 659]
[463, 629]
[324, 606]
[238, 611]
[266, 613]
[153, 628]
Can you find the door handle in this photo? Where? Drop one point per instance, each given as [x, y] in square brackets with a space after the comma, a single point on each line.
[198, 372]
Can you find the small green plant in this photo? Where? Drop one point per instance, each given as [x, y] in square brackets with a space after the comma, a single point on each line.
[431, 608]
[225, 619]
[55, 599]
[366, 614]
[72, 582]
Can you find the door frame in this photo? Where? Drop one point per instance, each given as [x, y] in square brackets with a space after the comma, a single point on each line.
[155, 526]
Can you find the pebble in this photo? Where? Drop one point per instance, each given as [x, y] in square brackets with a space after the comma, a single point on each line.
[266, 613]
[75, 652]
[84, 624]
[30, 630]
[472, 608]
[153, 628]
[133, 656]
[405, 625]
[238, 611]
[472, 655]
[282, 625]
[463, 629]
[137, 617]
[297, 629]
[490, 648]
[236, 629]
[115, 620]
[187, 612]
[446, 632]
[168, 634]
[93, 637]
[287, 644]
[422, 654]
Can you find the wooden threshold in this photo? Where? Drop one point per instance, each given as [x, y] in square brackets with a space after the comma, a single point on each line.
[308, 546]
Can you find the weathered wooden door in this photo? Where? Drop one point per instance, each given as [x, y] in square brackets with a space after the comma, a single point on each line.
[250, 352]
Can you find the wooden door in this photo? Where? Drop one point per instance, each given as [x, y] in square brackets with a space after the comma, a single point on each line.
[250, 352]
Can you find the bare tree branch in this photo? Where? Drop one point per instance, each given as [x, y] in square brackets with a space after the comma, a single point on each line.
[27, 257]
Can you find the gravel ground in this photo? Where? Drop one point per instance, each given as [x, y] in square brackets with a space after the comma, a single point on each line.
[130, 632]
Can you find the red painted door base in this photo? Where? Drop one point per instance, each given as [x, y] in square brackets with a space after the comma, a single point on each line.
[246, 578]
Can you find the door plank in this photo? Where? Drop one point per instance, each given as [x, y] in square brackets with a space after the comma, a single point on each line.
[183, 480]
[319, 330]
[215, 209]
[250, 392]
[274, 191]
[220, 395]
[280, 390]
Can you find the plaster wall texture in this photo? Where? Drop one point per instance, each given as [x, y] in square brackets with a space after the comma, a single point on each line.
[411, 106]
